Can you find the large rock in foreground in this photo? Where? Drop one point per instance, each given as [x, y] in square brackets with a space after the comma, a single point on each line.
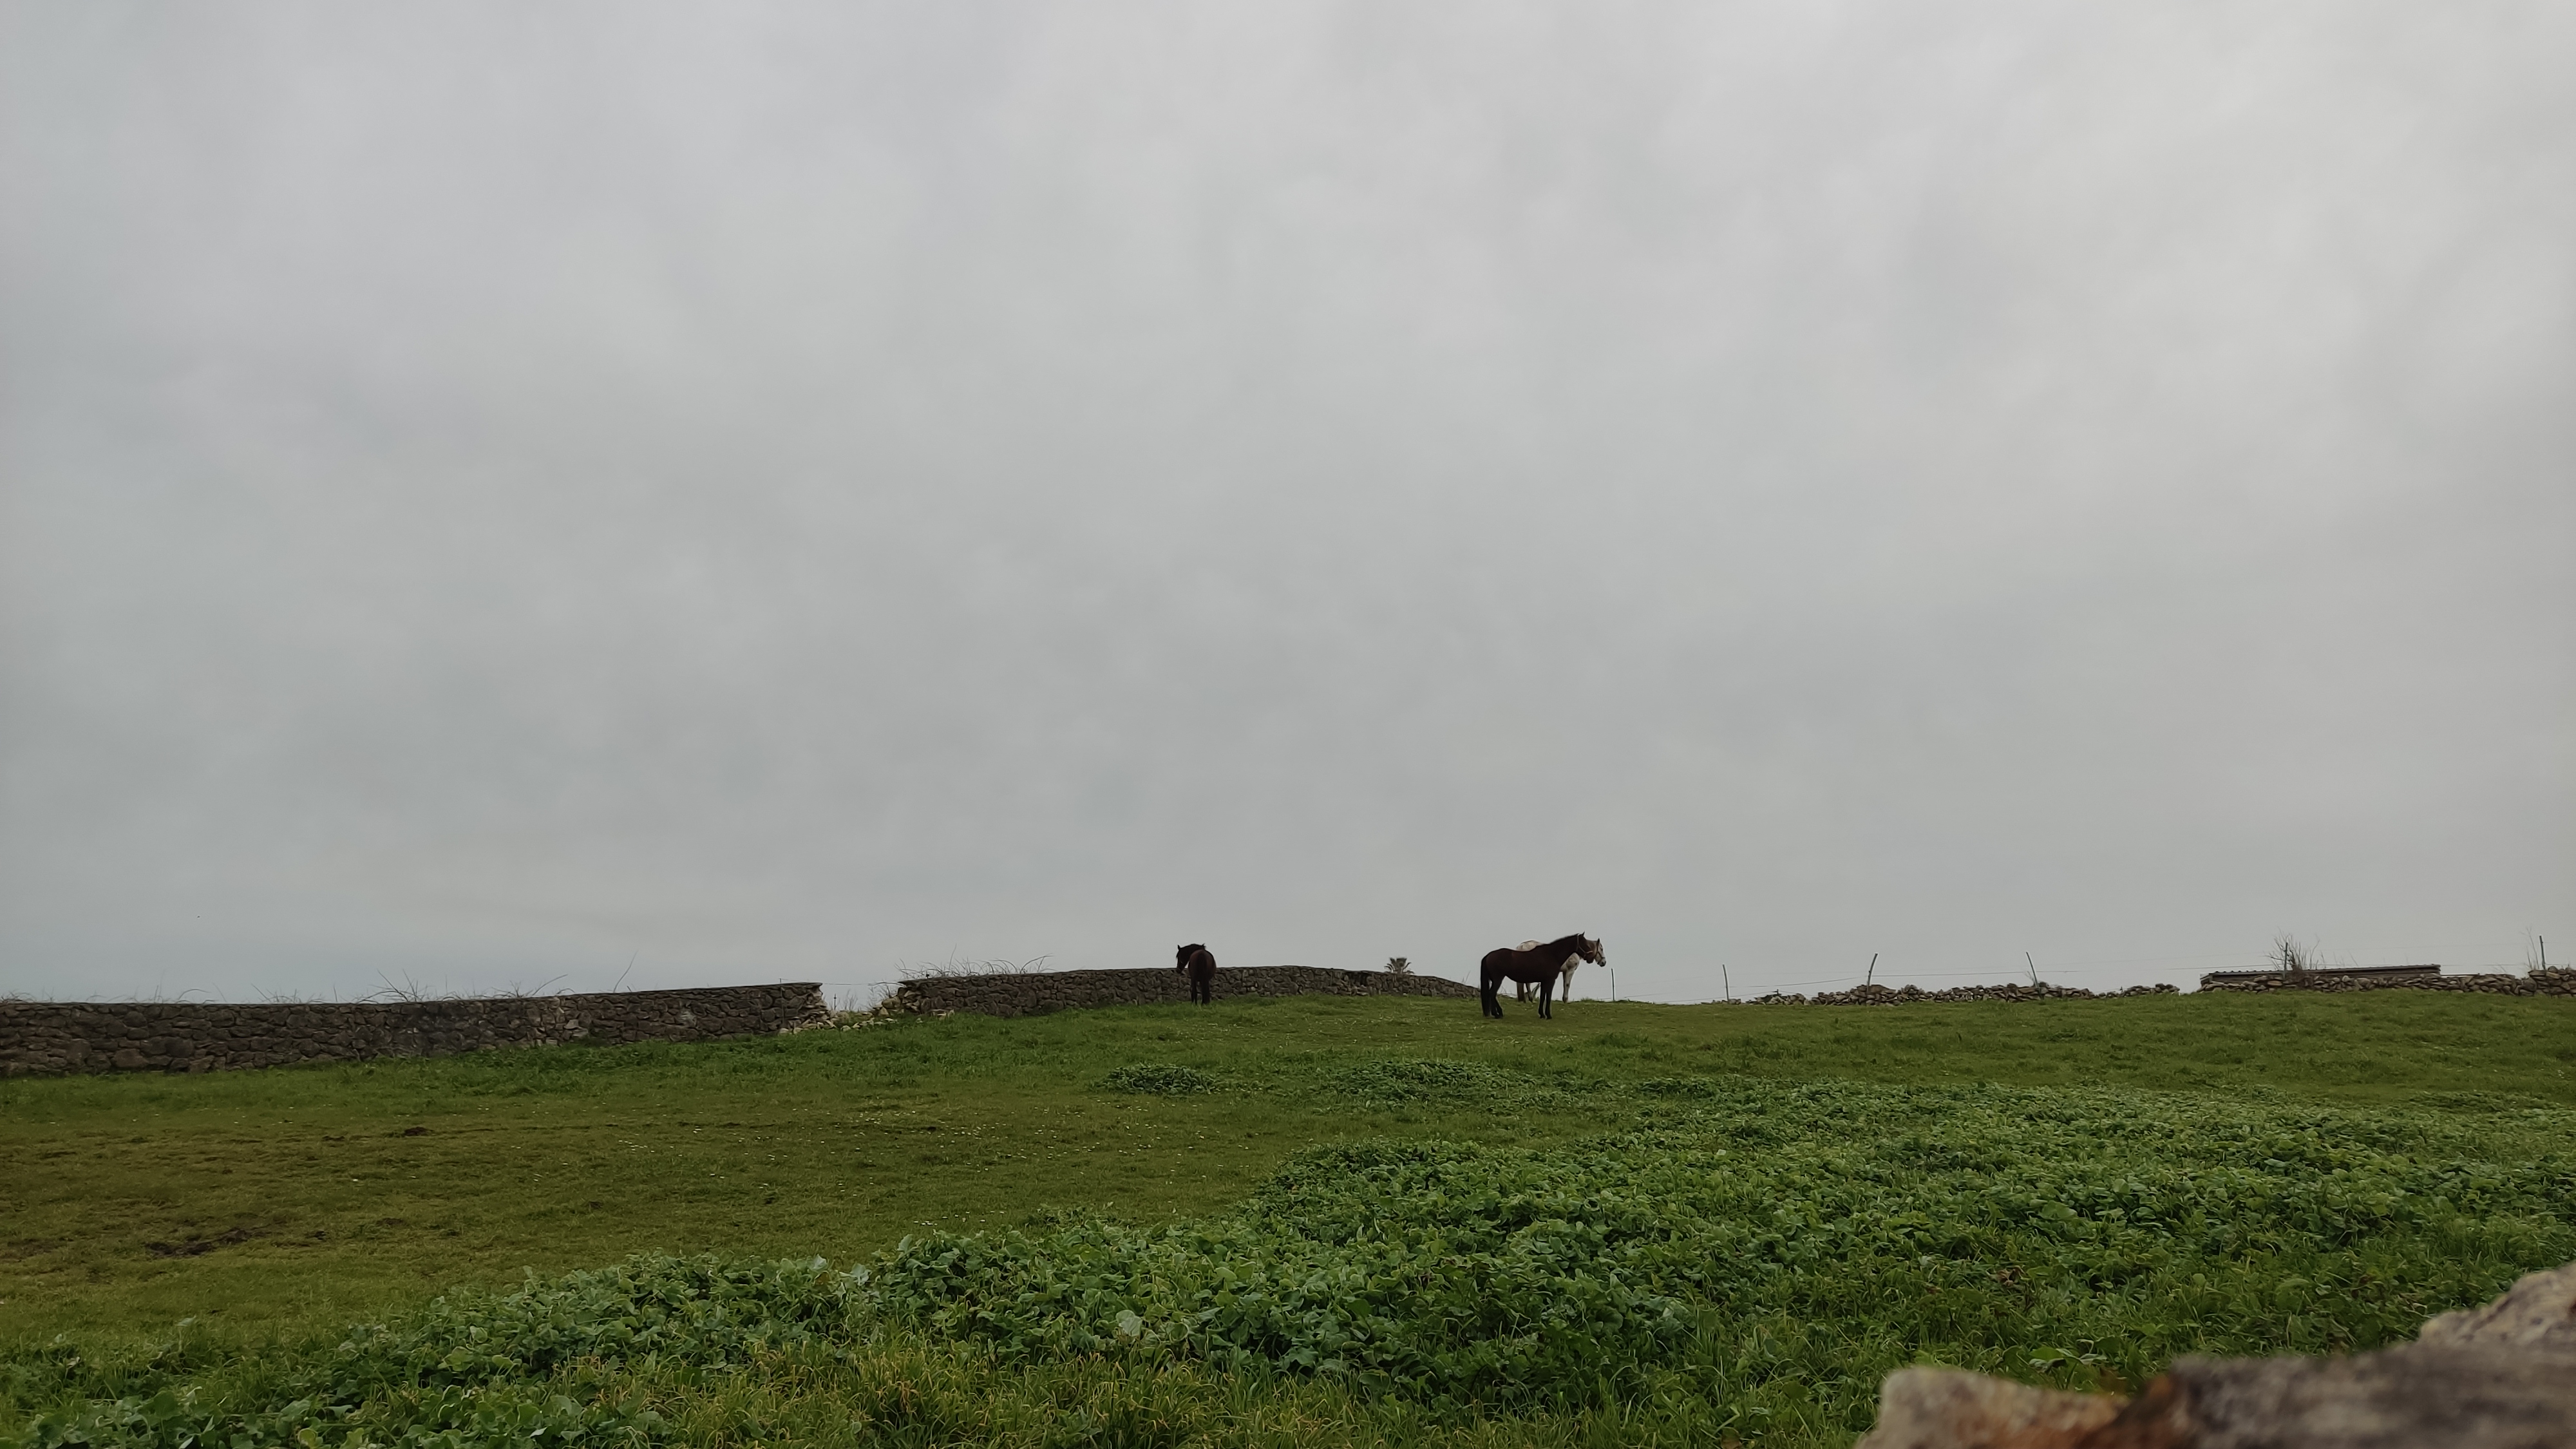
[2498, 1377]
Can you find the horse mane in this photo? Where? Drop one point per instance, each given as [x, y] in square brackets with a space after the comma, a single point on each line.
[1574, 944]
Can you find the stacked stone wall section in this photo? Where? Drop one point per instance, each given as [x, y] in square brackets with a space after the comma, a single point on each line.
[46, 1038]
[1870, 995]
[1036, 993]
[2535, 983]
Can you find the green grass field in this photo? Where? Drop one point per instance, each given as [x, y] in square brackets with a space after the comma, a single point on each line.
[1375, 1219]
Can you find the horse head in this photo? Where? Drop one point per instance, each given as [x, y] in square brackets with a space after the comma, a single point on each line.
[1591, 951]
[1181, 957]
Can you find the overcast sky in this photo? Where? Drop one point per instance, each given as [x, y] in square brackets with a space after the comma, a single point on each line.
[490, 494]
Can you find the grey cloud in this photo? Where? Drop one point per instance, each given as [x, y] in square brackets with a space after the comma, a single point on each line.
[784, 490]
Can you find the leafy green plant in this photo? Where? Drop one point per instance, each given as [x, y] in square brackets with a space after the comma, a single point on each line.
[1403, 1080]
[1156, 1079]
[1754, 1259]
[1978, 1224]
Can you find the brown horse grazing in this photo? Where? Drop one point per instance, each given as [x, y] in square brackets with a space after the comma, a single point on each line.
[1539, 967]
[1195, 963]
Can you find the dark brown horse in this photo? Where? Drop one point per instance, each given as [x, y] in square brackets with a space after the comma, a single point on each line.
[1523, 991]
[1194, 962]
[1538, 967]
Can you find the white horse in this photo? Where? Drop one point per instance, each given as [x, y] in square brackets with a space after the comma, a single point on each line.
[1564, 992]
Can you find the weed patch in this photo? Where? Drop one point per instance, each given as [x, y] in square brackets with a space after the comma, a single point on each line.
[1982, 1226]
[1402, 1081]
[1751, 1261]
[1156, 1080]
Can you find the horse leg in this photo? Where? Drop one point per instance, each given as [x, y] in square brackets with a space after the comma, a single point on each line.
[1546, 991]
[1491, 983]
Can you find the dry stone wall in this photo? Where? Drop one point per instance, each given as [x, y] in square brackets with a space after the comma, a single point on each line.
[2536, 983]
[2412, 978]
[53, 1037]
[1871, 995]
[1037, 992]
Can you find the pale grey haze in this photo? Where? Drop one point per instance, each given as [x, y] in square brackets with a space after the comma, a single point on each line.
[491, 494]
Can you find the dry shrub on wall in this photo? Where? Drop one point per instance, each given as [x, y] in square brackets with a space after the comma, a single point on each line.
[959, 966]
